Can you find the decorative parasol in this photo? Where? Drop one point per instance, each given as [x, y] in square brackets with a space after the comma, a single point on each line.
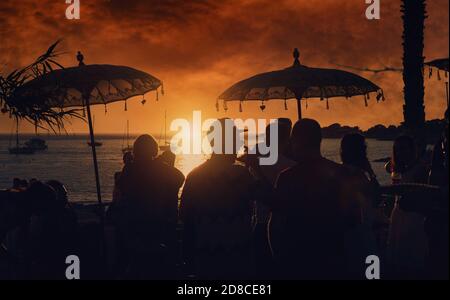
[84, 86]
[442, 65]
[300, 82]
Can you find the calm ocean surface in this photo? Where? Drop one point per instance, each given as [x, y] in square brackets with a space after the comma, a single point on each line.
[68, 159]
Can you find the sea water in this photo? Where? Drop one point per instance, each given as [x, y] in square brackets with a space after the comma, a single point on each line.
[69, 160]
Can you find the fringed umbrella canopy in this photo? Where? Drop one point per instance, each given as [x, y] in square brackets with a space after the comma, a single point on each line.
[300, 82]
[84, 86]
[442, 65]
[103, 84]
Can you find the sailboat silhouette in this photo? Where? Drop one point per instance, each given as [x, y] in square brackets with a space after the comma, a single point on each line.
[128, 148]
[166, 145]
[18, 149]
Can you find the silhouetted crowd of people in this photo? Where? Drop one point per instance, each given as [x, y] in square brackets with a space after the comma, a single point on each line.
[38, 230]
[306, 217]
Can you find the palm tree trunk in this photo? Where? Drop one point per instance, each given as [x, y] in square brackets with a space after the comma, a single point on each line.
[414, 15]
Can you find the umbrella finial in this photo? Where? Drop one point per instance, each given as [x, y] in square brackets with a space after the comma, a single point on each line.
[296, 57]
[80, 58]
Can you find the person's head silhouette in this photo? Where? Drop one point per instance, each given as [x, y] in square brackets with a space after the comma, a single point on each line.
[225, 131]
[284, 133]
[127, 158]
[306, 139]
[61, 193]
[168, 158]
[353, 149]
[16, 183]
[145, 148]
[43, 197]
[404, 153]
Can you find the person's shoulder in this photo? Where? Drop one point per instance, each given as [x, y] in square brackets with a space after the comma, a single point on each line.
[352, 170]
[332, 164]
[290, 170]
[240, 171]
[197, 171]
[356, 174]
[239, 168]
[333, 167]
[289, 173]
[420, 171]
[169, 170]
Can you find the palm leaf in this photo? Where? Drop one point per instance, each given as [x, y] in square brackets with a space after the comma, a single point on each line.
[38, 114]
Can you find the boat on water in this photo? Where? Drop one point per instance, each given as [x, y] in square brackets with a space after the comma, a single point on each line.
[17, 150]
[20, 149]
[165, 146]
[96, 144]
[128, 147]
[37, 144]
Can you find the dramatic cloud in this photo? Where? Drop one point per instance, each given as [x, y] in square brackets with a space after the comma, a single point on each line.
[200, 47]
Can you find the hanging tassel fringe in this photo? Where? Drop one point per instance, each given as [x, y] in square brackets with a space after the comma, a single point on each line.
[328, 105]
[126, 107]
[263, 106]
[379, 96]
[106, 110]
[285, 105]
[217, 105]
[439, 75]
[366, 101]
[225, 106]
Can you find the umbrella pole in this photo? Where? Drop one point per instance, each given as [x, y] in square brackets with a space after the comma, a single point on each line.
[94, 152]
[103, 252]
[299, 108]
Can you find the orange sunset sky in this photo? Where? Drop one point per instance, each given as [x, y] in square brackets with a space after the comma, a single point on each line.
[199, 48]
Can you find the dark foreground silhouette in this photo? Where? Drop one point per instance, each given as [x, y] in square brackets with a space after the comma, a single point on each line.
[306, 217]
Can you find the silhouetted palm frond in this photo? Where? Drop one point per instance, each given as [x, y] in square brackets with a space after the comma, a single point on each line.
[40, 115]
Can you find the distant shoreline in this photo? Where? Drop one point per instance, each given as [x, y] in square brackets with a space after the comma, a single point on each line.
[432, 129]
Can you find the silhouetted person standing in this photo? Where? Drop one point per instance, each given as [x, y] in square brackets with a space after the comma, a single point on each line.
[127, 163]
[354, 154]
[439, 168]
[312, 211]
[148, 208]
[216, 211]
[407, 243]
[363, 240]
[437, 223]
[53, 230]
[268, 175]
